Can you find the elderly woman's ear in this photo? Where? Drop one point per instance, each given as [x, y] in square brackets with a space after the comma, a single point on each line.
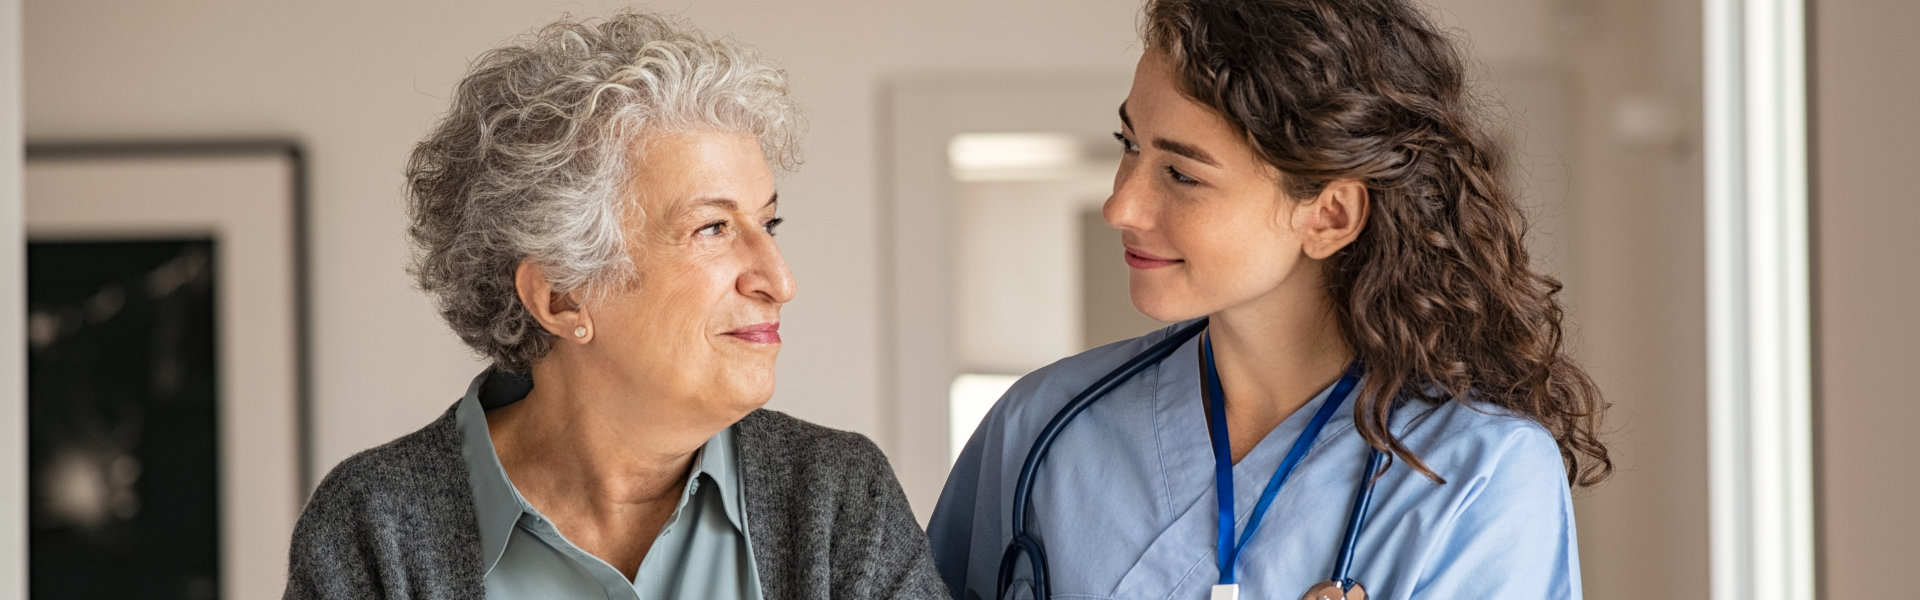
[557, 312]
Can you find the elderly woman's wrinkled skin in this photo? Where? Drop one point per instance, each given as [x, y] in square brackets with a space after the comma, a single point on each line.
[685, 351]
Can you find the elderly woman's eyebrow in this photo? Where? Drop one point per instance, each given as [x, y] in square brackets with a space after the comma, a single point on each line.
[728, 204]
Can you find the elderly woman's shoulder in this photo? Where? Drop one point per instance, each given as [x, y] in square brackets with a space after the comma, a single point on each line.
[794, 435]
[774, 441]
[419, 466]
[392, 511]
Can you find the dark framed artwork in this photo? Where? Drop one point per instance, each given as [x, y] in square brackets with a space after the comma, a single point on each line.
[167, 368]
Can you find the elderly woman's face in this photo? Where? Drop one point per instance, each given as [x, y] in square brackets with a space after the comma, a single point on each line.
[703, 321]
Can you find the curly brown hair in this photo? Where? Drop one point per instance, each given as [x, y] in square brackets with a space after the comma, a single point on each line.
[1437, 295]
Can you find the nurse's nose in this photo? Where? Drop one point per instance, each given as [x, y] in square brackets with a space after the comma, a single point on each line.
[1126, 208]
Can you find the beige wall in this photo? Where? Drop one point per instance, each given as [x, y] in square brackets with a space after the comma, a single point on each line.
[1866, 285]
[1639, 293]
[1018, 304]
[13, 311]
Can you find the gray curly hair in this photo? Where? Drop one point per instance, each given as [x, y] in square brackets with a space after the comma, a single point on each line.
[532, 162]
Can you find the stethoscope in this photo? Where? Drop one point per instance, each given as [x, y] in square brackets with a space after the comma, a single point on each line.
[1337, 587]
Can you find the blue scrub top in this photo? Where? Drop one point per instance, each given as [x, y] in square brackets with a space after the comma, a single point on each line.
[1126, 508]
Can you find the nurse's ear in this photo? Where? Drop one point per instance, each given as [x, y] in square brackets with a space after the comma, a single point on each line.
[1332, 219]
[558, 313]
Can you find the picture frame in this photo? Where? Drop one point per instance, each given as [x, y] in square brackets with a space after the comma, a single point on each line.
[250, 198]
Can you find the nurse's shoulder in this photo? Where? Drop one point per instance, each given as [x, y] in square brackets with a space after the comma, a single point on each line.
[1494, 461]
[1505, 506]
[969, 528]
[1037, 396]
[1473, 431]
[1471, 435]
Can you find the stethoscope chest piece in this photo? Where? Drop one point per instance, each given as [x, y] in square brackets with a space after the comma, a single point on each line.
[1329, 590]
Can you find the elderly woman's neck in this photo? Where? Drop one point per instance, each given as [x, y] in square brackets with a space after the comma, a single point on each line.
[572, 441]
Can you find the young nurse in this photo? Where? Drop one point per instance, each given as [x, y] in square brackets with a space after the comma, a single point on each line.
[1308, 196]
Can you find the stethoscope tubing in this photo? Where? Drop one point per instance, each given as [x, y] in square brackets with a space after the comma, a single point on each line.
[1343, 566]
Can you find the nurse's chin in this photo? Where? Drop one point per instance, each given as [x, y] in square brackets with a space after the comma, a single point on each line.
[1160, 307]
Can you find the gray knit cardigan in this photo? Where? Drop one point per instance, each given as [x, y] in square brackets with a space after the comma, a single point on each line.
[827, 520]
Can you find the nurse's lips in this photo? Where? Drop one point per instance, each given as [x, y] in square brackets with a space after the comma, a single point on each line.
[1143, 261]
[764, 333]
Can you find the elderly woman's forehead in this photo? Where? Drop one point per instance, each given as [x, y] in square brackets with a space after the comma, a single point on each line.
[704, 204]
[688, 167]
[644, 144]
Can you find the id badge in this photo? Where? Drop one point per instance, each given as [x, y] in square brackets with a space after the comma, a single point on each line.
[1226, 592]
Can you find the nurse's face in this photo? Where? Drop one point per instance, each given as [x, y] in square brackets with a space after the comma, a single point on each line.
[1204, 221]
[701, 325]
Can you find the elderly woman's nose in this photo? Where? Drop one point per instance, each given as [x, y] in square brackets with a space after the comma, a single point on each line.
[767, 276]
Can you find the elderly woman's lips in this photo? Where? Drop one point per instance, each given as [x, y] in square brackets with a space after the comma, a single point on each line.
[764, 333]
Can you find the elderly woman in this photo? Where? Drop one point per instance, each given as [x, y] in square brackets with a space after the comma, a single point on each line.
[595, 215]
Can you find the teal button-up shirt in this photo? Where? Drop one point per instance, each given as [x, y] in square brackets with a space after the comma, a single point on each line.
[702, 552]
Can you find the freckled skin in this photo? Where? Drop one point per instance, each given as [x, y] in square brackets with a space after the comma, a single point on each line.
[1233, 226]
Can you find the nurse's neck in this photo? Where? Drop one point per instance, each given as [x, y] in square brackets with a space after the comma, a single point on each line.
[1275, 354]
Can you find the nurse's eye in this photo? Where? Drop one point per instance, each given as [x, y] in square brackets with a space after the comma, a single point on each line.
[712, 229]
[1126, 145]
[1180, 178]
[773, 225]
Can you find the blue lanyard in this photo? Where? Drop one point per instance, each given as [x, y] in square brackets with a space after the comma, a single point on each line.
[1228, 552]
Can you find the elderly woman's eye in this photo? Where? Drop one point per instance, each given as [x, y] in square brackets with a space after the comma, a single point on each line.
[714, 228]
[773, 225]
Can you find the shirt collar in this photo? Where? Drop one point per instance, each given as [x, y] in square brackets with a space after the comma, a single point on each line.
[719, 462]
[498, 506]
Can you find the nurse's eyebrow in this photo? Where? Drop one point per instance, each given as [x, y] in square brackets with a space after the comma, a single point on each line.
[1180, 148]
[1184, 149]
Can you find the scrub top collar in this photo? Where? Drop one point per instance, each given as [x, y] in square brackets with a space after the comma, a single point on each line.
[1177, 395]
[498, 506]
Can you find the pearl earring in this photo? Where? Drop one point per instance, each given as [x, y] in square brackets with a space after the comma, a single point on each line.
[580, 331]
